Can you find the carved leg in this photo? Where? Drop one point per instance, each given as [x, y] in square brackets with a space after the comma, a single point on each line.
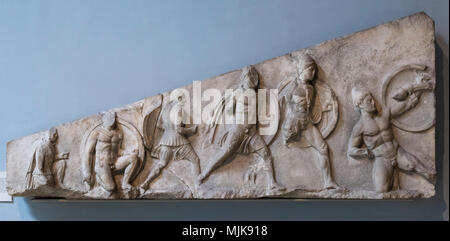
[272, 185]
[104, 176]
[129, 163]
[314, 137]
[60, 171]
[324, 165]
[196, 171]
[153, 174]
[39, 177]
[187, 152]
[396, 185]
[165, 156]
[408, 162]
[212, 165]
[382, 175]
[228, 148]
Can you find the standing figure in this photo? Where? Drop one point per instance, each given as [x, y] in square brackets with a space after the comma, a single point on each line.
[173, 144]
[40, 171]
[241, 138]
[102, 157]
[303, 113]
[372, 136]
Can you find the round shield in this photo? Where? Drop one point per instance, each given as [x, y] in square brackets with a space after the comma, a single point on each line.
[131, 137]
[325, 109]
[419, 118]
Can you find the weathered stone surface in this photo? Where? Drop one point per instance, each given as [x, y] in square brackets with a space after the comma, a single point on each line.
[355, 120]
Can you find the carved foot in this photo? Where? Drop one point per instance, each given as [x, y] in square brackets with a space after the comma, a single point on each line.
[126, 187]
[130, 192]
[197, 182]
[275, 189]
[200, 179]
[332, 185]
[142, 191]
[143, 188]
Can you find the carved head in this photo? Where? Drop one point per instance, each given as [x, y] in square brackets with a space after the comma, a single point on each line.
[181, 100]
[249, 78]
[109, 120]
[363, 100]
[177, 112]
[52, 135]
[306, 67]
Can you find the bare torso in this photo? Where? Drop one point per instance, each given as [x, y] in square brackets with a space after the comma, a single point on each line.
[107, 147]
[378, 136]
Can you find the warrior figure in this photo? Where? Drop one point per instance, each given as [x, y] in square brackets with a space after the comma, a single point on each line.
[372, 136]
[40, 171]
[303, 113]
[241, 138]
[173, 144]
[103, 157]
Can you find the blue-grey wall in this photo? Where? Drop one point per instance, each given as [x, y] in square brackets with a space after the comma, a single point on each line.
[64, 60]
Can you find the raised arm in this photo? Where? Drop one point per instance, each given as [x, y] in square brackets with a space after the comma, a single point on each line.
[187, 130]
[399, 107]
[408, 97]
[183, 130]
[62, 156]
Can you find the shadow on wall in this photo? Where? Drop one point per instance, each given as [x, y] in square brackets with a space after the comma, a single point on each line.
[426, 209]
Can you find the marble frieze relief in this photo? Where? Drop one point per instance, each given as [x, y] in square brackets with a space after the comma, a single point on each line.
[350, 118]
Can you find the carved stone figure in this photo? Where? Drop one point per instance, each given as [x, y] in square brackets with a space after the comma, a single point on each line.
[173, 144]
[41, 169]
[240, 138]
[304, 112]
[373, 138]
[103, 158]
[300, 143]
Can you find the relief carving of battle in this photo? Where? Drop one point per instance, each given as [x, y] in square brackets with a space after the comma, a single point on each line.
[350, 118]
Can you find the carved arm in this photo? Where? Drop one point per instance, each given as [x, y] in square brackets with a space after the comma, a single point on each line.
[187, 130]
[356, 149]
[86, 163]
[408, 97]
[400, 107]
[62, 156]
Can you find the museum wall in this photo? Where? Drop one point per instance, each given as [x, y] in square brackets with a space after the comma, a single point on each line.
[62, 61]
